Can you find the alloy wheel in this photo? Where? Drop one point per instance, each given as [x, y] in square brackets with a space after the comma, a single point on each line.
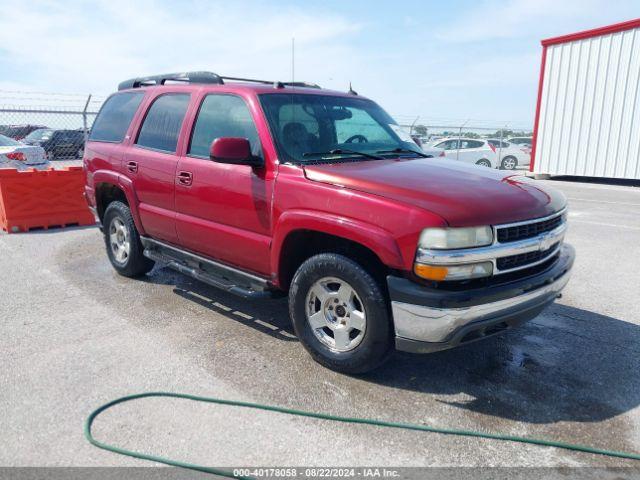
[336, 314]
[119, 240]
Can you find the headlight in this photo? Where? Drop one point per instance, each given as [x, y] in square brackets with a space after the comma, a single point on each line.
[452, 239]
[449, 238]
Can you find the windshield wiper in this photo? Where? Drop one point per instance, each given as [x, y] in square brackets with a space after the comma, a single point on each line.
[404, 150]
[343, 151]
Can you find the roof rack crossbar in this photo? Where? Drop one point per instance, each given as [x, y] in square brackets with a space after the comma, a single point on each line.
[202, 77]
[273, 82]
[187, 77]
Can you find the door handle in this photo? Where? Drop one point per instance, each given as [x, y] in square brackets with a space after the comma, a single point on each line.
[132, 167]
[185, 178]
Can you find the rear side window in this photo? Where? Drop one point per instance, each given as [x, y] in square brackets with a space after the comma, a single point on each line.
[448, 145]
[223, 116]
[161, 126]
[115, 116]
[471, 144]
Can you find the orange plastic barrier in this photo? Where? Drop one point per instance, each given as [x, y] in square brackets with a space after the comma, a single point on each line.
[42, 199]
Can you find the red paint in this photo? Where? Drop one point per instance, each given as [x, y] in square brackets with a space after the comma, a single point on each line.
[462, 194]
[594, 32]
[37, 199]
[242, 215]
[534, 139]
[19, 156]
[230, 149]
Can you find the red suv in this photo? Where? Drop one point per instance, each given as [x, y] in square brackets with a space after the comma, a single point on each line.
[262, 187]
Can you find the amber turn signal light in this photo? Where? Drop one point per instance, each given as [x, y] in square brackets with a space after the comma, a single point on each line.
[431, 272]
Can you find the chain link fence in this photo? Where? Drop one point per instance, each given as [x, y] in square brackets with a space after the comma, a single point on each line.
[492, 144]
[52, 126]
[59, 124]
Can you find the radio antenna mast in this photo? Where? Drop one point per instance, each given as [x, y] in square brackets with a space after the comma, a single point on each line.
[293, 60]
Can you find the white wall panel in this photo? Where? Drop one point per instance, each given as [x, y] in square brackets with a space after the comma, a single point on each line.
[589, 121]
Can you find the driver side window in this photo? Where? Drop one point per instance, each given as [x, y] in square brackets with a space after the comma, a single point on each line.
[222, 115]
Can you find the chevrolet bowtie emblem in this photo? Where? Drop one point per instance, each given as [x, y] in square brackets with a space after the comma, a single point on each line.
[544, 242]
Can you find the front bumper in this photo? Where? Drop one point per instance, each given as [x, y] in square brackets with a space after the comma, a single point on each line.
[429, 319]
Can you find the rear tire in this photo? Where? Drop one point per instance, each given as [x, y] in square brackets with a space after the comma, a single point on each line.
[122, 241]
[484, 163]
[351, 330]
[509, 163]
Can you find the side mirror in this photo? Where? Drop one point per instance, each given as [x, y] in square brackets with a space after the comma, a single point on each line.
[234, 150]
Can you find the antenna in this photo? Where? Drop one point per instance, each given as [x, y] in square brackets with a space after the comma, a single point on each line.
[293, 60]
[351, 90]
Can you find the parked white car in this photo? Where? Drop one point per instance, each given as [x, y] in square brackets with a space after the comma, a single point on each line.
[14, 154]
[521, 141]
[510, 154]
[469, 150]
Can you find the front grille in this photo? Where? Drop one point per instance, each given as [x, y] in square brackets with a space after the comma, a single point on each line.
[528, 230]
[515, 261]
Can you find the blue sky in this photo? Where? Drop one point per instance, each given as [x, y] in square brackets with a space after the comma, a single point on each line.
[446, 62]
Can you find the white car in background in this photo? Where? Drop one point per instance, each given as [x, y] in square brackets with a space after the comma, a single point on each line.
[521, 141]
[14, 154]
[510, 154]
[469, 150]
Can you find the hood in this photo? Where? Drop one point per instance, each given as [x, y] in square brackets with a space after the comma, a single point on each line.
[462, 194]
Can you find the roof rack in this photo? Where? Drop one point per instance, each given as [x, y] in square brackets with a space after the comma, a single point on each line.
[187, 77]
[204, 78]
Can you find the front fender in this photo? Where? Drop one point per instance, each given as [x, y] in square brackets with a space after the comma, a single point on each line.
[373, 237]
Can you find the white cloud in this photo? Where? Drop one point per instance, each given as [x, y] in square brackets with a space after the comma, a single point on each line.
[76, 46]
[495, 19]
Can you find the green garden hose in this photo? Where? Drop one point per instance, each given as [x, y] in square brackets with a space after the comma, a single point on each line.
[321, 416]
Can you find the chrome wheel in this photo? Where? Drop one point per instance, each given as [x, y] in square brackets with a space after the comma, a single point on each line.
[119, 240]
[336, 314]
[484, 163]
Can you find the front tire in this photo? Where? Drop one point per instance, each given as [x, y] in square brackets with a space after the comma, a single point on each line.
[122, 240]
[340, 314]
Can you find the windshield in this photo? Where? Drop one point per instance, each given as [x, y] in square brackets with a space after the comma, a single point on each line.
[313, 128]
[8, 142]
[40, 134]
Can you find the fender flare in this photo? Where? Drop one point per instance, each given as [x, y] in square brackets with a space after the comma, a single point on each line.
[376, 239]
[126, 185]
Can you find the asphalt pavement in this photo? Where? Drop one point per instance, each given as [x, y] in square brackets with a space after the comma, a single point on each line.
[75, 335]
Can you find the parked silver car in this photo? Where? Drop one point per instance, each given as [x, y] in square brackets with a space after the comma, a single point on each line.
[14, 154]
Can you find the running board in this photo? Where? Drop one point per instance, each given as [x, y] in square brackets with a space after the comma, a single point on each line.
[212, 273]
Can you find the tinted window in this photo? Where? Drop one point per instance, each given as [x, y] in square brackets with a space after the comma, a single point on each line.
[448, 145]
[40, 134]
[360, 123]
[222, 116]
[296, 113]
[162, 124]
[115, 116]
[471, 144]
[311, 128]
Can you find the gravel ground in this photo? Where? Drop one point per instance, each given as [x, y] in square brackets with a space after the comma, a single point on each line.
[75, 335]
